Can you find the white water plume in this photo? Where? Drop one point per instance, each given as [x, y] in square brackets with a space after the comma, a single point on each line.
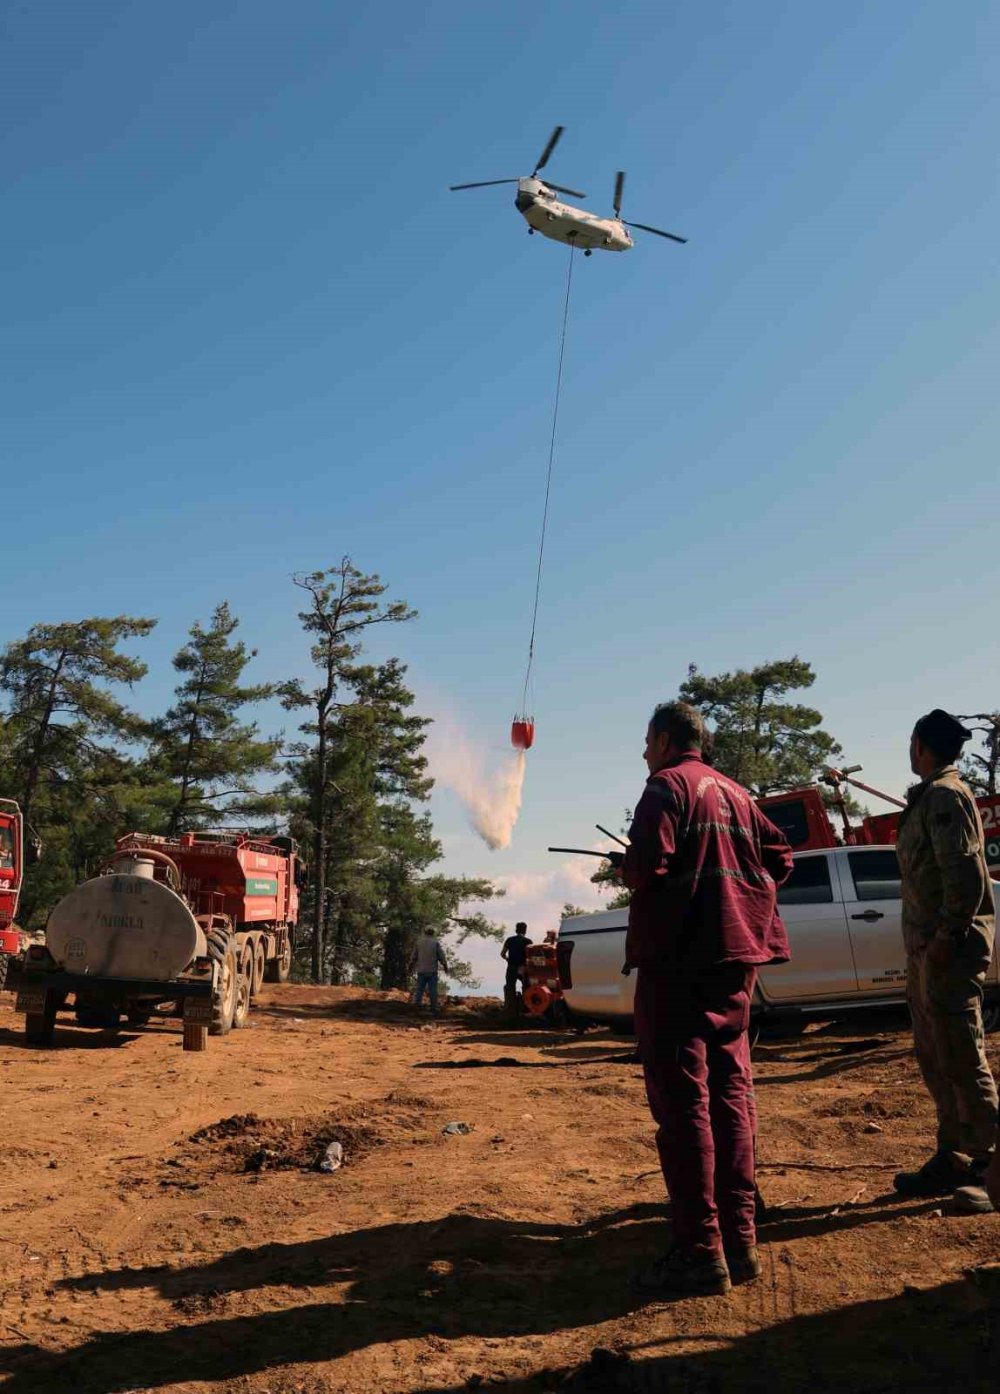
[491, 796]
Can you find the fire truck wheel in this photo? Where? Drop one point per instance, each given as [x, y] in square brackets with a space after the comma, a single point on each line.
[279, 970]
[40, 1027]
[559, 1015]
[244, 983]
[224, 997]
[259, 966]
[4, 961]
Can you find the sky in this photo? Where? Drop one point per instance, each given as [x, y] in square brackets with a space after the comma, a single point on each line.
[247, 331]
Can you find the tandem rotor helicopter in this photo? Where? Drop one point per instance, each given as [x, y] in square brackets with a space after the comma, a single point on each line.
[564, 222]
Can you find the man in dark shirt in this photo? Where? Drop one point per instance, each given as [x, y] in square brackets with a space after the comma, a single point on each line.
[703, 865]
[514, 951]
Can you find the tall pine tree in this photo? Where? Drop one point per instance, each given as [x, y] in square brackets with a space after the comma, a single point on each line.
[68, 745]
[760, 740]
[343, 605]
[209, 759]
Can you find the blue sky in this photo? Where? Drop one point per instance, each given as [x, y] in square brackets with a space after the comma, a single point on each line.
[247, 330]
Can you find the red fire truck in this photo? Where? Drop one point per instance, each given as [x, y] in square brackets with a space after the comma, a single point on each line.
[803, 815]
[11, 871]
[187, 926]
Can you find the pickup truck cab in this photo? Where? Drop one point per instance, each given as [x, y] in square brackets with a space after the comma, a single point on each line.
[842, 909]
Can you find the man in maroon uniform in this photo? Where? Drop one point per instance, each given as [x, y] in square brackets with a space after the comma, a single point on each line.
[703, 865]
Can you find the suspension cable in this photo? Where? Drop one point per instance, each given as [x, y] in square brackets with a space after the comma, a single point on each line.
[548, 480]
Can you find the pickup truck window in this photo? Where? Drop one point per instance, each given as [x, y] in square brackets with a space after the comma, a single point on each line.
[876, 874]
[809, 883]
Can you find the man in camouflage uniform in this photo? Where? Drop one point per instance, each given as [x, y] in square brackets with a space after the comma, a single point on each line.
[948, 928]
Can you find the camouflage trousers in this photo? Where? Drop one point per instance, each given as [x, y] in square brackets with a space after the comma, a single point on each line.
[946, 1010]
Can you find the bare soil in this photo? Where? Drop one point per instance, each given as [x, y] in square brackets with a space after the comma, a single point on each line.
[163, 1226]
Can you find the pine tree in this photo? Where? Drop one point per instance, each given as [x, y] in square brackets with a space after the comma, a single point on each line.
[209, 759]
[343, 605]
[68, 743]
[761, 741]
[980, 768]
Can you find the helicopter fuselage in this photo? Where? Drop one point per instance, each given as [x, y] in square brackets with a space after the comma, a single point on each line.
[563, 222]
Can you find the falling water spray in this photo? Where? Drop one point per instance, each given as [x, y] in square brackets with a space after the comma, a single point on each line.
[489, 792]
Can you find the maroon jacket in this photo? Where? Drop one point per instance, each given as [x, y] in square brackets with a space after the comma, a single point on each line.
[703, 866]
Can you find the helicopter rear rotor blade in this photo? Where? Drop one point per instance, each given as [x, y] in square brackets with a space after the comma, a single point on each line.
[619, 190]
[658, 230]
[482, 184]
[560, 190]
[554, 139]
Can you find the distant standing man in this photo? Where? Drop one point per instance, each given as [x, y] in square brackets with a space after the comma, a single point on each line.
[514, 951]
[428, 958]
[703, 864]
[948, 929]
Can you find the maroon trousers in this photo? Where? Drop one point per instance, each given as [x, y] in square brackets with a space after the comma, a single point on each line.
[692, 1030]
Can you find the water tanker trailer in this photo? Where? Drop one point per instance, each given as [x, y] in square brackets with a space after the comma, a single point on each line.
[188, 926]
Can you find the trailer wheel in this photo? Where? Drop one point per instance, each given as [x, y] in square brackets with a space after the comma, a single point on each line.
[244, 985]
[224, 997]
[279, 970]
[195, 1035]
[259, 966]
[40, 1027]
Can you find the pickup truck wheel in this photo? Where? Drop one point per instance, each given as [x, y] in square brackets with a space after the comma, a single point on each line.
[40, 1027]
[991, 1015]
[244, 985]
[224, 997]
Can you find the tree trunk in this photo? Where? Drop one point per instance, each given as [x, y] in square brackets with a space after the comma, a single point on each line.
[319, 848]
[395, 958]
[175, 817]
[34, 769]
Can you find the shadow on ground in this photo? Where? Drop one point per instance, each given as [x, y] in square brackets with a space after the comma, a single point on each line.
[73, 1038]
[924, 1342]
[462, 1275]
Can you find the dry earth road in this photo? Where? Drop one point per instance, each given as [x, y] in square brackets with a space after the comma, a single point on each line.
[164, 1227]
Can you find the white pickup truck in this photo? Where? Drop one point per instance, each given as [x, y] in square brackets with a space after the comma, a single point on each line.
[842, 909]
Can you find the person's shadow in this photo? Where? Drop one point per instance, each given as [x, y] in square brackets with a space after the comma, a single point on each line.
[461, 1275]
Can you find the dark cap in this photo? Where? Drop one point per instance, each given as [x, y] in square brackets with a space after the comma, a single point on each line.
[943, 732]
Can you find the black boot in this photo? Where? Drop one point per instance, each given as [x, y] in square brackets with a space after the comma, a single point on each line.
[938, 1176]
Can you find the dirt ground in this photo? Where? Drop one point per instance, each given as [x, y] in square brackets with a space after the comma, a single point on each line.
[163, 1226]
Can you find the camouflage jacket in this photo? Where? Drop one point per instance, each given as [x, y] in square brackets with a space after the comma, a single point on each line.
[946, 886]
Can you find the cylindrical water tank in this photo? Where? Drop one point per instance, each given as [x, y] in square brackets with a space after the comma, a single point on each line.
[125, 925]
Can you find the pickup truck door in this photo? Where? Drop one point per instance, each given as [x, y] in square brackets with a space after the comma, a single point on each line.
[870, 880]
[811, 905]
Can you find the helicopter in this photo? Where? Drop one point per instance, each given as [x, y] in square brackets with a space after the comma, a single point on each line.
[564, 222]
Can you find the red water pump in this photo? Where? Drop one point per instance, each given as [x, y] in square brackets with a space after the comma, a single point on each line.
[542, 986]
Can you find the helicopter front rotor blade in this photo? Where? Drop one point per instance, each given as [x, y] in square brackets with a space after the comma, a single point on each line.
[560, 190]
[658, 230]
[482, 184]
[553, 142]
[619, 189]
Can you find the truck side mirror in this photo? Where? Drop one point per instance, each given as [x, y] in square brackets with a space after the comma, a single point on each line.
[32, 851]
[301, 876]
